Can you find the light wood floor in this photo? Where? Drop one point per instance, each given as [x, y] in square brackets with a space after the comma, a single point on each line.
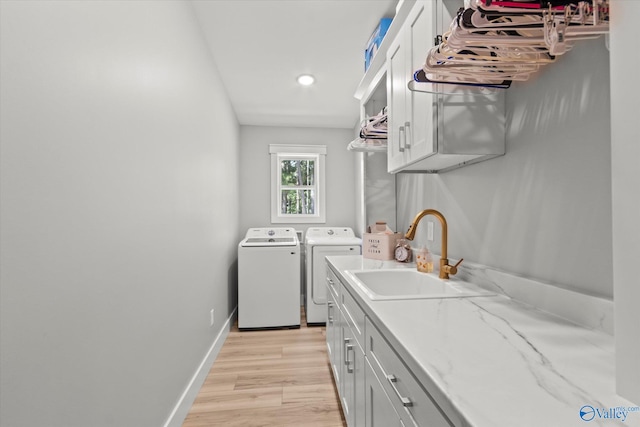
[269, 378]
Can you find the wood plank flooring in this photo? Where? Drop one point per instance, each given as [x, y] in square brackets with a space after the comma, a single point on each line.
[269, 378]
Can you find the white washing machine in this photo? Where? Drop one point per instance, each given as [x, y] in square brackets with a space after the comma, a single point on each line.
[269, 279]
[321, 242]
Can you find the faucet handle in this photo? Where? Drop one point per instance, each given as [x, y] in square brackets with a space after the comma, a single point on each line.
[453, 269]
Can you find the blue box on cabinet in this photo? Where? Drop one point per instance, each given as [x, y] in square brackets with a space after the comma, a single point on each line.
[375, 40]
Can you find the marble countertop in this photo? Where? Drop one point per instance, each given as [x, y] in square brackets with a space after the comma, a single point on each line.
[492, 361]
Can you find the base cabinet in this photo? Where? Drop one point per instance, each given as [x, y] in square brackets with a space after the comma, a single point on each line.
[345, 347]
[375, 386]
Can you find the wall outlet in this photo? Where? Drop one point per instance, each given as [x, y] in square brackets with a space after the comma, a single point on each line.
[212, 318]
[430, 231]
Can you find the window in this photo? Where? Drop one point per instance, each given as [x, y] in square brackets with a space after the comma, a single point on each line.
[297, 183]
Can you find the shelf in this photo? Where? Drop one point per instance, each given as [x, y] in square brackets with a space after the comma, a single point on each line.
[377, 67]
[361, 146]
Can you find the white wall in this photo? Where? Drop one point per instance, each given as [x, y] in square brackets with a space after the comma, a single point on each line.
[119, 210]
[255, 172]
[625, 156]
[544, 209]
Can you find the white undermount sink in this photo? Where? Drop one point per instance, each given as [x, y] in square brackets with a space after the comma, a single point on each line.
[397, 284]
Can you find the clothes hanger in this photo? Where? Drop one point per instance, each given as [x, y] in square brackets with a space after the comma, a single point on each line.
[526, 35]
[430, 83]
[493, 42]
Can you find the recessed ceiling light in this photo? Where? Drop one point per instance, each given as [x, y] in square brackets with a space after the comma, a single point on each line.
[306, 79]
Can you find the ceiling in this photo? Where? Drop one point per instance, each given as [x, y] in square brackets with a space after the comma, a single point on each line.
[262, 46]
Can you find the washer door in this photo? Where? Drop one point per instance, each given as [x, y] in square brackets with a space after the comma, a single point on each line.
[319, 269]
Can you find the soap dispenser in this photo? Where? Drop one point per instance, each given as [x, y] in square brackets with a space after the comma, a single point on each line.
[424, 261]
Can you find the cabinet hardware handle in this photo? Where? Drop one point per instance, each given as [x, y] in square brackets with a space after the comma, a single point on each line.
[401, 137]
[346, 352]
[405, 400]
[329, 281]
[329, 312]
[407, 141]
[347, 362]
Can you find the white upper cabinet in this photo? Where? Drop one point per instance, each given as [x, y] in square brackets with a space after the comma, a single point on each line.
[410, 124]
[431, 132]
[420, 106]
[396, 102]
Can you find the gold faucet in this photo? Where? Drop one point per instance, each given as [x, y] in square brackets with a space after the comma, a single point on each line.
[445, 268]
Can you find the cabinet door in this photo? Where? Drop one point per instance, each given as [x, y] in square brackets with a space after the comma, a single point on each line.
[354, 320]
[359, 402]
[413, 404]
[333, 335]
[379, 408]
[396, 101]
[353, 381]
[348, 389]
[411, 114]
[420, 126]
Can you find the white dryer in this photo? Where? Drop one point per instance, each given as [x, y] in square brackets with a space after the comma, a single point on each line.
[269, 279]
[321, 242]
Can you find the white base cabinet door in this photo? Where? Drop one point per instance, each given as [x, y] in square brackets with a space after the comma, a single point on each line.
[412, 403]
[352, 376]
[380, 411]
[359, 403]
[347, 394]
[344, 335]
[333, 335]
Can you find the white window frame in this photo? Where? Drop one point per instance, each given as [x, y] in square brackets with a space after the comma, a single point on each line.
[317, 153]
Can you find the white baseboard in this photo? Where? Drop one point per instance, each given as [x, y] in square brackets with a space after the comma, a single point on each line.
[180, 411]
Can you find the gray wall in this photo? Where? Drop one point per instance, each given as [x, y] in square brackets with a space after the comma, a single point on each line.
[544, 209]
[119, 210]
[255, 184]
[380, 192]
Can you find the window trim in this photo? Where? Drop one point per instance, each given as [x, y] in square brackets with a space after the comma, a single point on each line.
[285, 151]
